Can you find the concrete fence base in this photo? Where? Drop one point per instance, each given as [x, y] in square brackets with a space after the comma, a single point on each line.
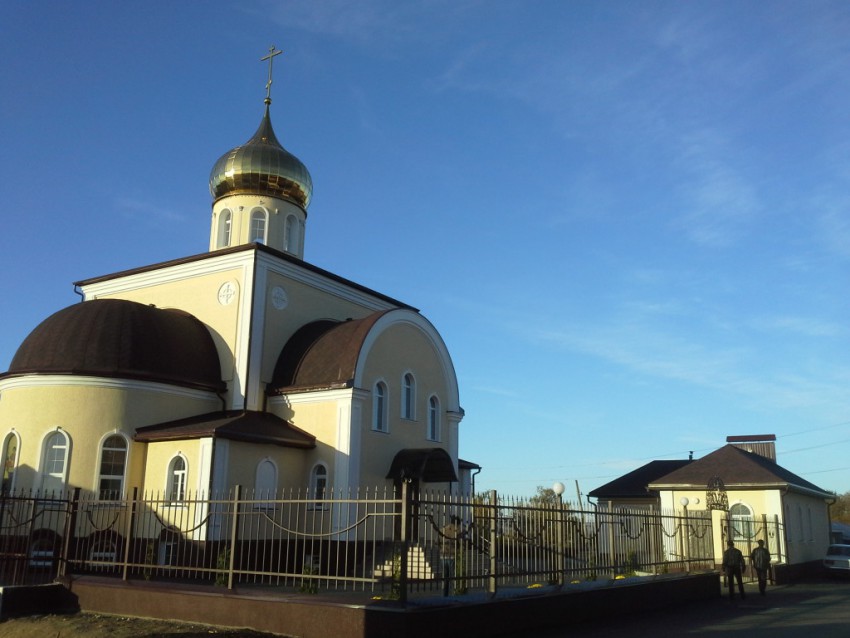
[358, 615]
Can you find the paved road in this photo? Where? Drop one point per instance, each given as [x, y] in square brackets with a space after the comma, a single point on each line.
[818, 609]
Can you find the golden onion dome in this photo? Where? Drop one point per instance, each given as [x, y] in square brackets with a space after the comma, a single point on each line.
[262, 166]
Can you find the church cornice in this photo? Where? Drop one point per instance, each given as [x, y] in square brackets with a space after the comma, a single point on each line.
[32, 380]
[204, 263]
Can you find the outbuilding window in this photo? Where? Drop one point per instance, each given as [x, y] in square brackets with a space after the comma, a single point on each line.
[742, 522]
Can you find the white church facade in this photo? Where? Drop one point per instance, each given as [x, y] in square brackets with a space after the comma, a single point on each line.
[244, 366]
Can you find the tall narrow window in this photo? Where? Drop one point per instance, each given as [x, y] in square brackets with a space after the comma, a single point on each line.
[742, 522]
[290, 230]
[113, 464]
[379, 407]
[319, 481]
[225, 227]
[55, 464]
[408, 397]
[10, 462]
[434, 419]
[266, 480]
[258, 226]
[177, 479]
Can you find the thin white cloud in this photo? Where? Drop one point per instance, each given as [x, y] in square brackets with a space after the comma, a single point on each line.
[373, 23]
[495, 391]
[805, 326]
[734, 369]
[720, 205]
[147, 211]
[834, 228]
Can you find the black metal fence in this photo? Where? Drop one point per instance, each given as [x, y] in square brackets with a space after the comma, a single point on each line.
[395, 543]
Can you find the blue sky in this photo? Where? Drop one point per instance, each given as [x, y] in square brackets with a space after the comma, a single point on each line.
[629, 220]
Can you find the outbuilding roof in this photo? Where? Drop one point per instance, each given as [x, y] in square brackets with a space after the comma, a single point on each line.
[635, 483]
[737, 469]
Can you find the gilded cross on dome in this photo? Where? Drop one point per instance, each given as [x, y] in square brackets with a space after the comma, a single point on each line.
[270, 57]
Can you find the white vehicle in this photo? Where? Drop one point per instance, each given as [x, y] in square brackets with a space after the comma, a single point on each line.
[837, 559]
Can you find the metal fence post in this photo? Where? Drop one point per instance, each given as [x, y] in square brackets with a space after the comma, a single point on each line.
[128, 534]
[492, 582]
[70, 529]
[561, 545]
[404, 541]
[612, 550]
[234, 534]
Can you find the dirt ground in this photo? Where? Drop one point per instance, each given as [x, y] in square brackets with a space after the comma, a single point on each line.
[84, 625]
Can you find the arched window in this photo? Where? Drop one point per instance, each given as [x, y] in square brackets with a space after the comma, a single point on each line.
[433, 419]
[11, 445]
[176, 490]
[291, 235]
[266, 480]
[105, 548]
[742, 522]
[319, 481]
[55, 461]
[379, 407]
[408, 397]
[225, 228]
[258, 226]
[113, 465]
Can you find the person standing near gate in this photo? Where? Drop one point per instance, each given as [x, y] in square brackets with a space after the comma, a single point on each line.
[733, 567]
[449, 536]
[761, 563]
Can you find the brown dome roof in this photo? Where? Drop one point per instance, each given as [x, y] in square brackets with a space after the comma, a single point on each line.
[322, 353]
[120, 338]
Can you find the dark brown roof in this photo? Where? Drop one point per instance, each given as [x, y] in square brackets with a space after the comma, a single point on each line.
[737, 469]
[634, 484]
[123, 339]
[429, 465]
[322, 354]
[467, 465]
[247, 426]
[750, 438]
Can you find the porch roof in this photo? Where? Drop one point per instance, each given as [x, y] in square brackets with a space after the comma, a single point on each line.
[235, 425]
[429, 465]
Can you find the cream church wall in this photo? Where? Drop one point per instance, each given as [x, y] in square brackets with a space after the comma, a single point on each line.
[159, 456]
[322, 414]
[87, 409]
[241, 208]
[245, 457]
[398, 349]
